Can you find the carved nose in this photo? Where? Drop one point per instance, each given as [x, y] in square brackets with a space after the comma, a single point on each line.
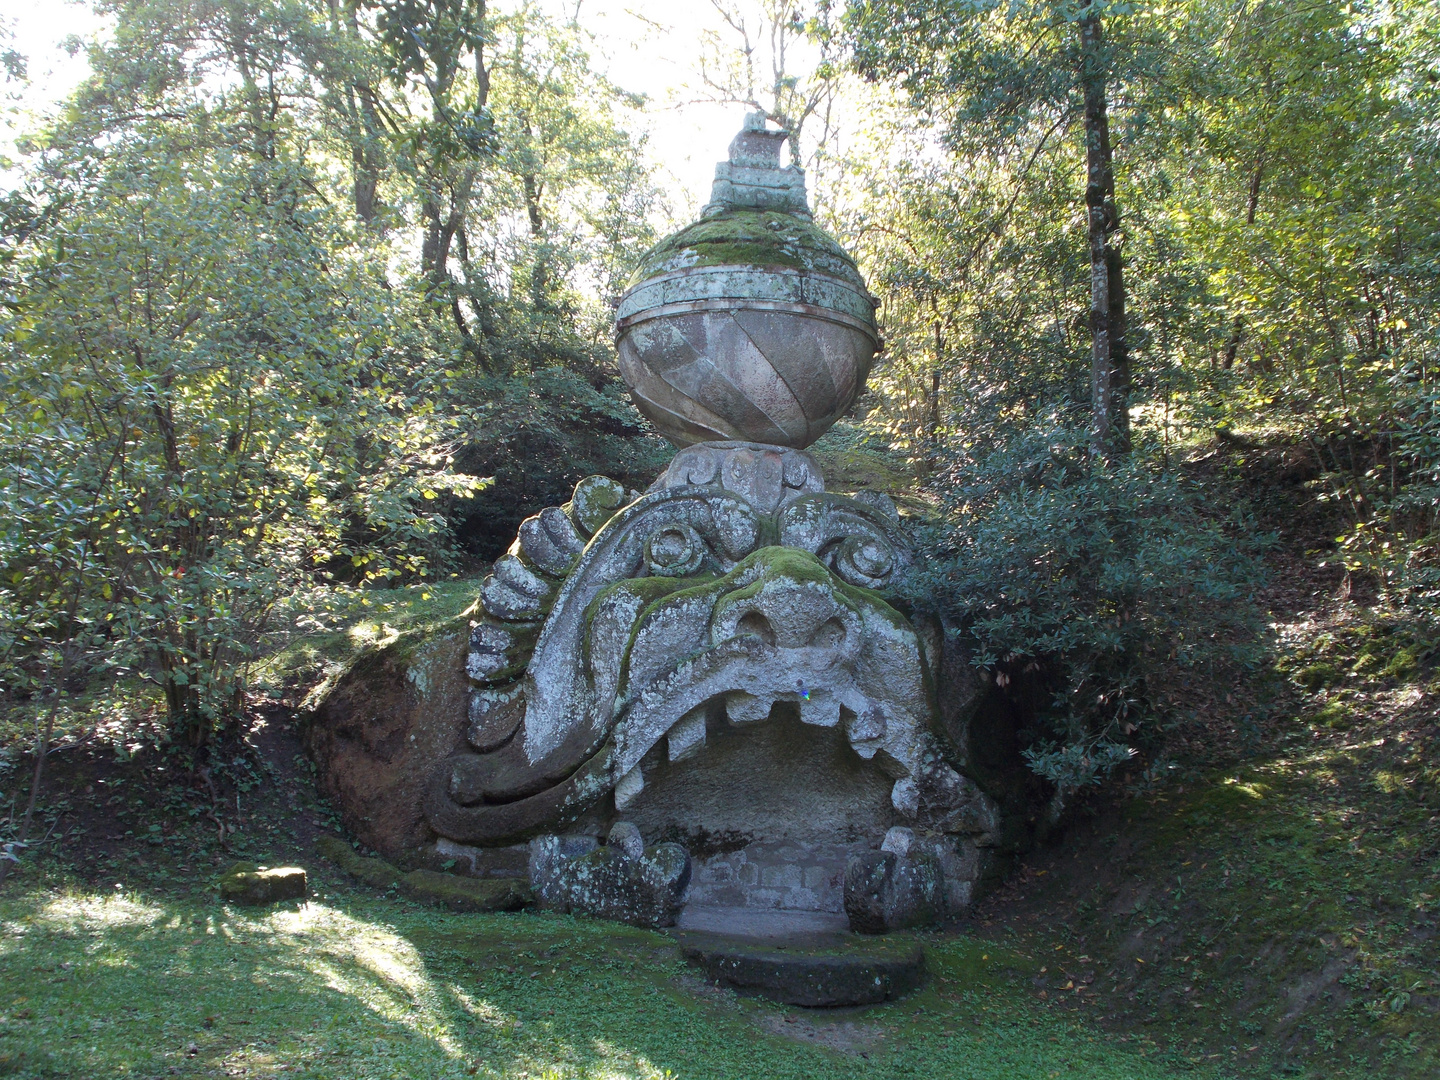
[788, 614]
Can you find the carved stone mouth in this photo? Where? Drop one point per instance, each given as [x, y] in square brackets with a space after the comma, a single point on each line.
[748, 677]
[734, 585]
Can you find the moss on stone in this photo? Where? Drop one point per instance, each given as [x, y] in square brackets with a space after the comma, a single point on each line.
[750, 238]
[649, 589]
[429, 886]
[800, 565]
[247, 883]
[774, 561]
[377, 873]
[466, 893]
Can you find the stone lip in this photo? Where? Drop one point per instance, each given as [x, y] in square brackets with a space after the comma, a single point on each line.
[779, 925]
[772, 288]
[824, 975]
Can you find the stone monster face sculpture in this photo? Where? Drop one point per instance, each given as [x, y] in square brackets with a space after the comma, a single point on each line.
[619, 626]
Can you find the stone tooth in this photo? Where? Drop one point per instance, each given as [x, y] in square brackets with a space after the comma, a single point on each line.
[687, 735]
[866, 726]
[821, 710]
[625, 838]
[630, 785]
[743, 708]
[899, 839]
[905, 797]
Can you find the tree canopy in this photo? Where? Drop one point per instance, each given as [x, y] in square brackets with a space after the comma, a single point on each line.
[288, 283]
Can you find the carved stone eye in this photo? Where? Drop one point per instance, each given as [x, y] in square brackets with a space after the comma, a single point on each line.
[863, 560]
[674, 551]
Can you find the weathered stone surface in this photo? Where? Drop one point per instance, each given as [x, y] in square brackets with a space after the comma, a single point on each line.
[378, 732]
[625, 838]
[596, 500]
[854, 539]
[807, 977]
[610, 882]
[767, 477]
[898, 841]
[246, 883]
[377, 873]
[750, 323]
[499, 651]
[506, 862]
[515, 593]
[466, 893]
[885, 891]
[495, 715]
[551, 541]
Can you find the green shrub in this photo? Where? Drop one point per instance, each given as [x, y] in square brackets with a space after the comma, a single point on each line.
[1090, 577]
[537, 435]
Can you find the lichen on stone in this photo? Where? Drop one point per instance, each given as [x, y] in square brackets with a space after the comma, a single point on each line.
[750, 238]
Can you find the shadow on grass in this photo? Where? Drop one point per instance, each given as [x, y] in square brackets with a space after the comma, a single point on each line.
[348, 986]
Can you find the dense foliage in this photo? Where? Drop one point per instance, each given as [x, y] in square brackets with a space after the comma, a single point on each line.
[1089, 580]
[289, 282]
[282, 274]
[1275, 241]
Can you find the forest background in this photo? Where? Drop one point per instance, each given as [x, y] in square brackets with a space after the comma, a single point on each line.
[304, 298]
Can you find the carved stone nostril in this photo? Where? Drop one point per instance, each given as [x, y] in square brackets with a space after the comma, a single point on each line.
[754, 624]
[828, 635]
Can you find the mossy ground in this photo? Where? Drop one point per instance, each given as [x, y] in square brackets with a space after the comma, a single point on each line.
[1282, 913]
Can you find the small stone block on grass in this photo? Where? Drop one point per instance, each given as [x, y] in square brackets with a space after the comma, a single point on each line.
[246, 883]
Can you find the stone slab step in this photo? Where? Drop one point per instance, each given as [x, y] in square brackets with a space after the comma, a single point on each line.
[847, 973]
[760, 923]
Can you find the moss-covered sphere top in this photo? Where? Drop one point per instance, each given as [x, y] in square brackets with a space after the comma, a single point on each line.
[751, 323]
[743, 237]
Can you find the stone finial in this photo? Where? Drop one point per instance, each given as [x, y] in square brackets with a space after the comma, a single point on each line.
[753, 178]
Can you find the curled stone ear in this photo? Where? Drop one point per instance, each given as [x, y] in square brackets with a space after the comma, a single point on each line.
[595, 502]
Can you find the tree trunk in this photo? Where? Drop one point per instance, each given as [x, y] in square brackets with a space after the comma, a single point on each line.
[1110, 361]
[1237, 328]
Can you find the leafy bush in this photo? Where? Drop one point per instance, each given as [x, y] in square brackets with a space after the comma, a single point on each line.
[209, 394]
[1394, 505]
[1086, 577]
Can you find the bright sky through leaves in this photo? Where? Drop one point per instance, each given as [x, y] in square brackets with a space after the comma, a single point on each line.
[649, 47]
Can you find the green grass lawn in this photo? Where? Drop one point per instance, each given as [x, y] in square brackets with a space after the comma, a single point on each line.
[121, 984]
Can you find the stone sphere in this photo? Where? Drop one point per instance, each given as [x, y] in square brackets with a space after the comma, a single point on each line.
[750, 324]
